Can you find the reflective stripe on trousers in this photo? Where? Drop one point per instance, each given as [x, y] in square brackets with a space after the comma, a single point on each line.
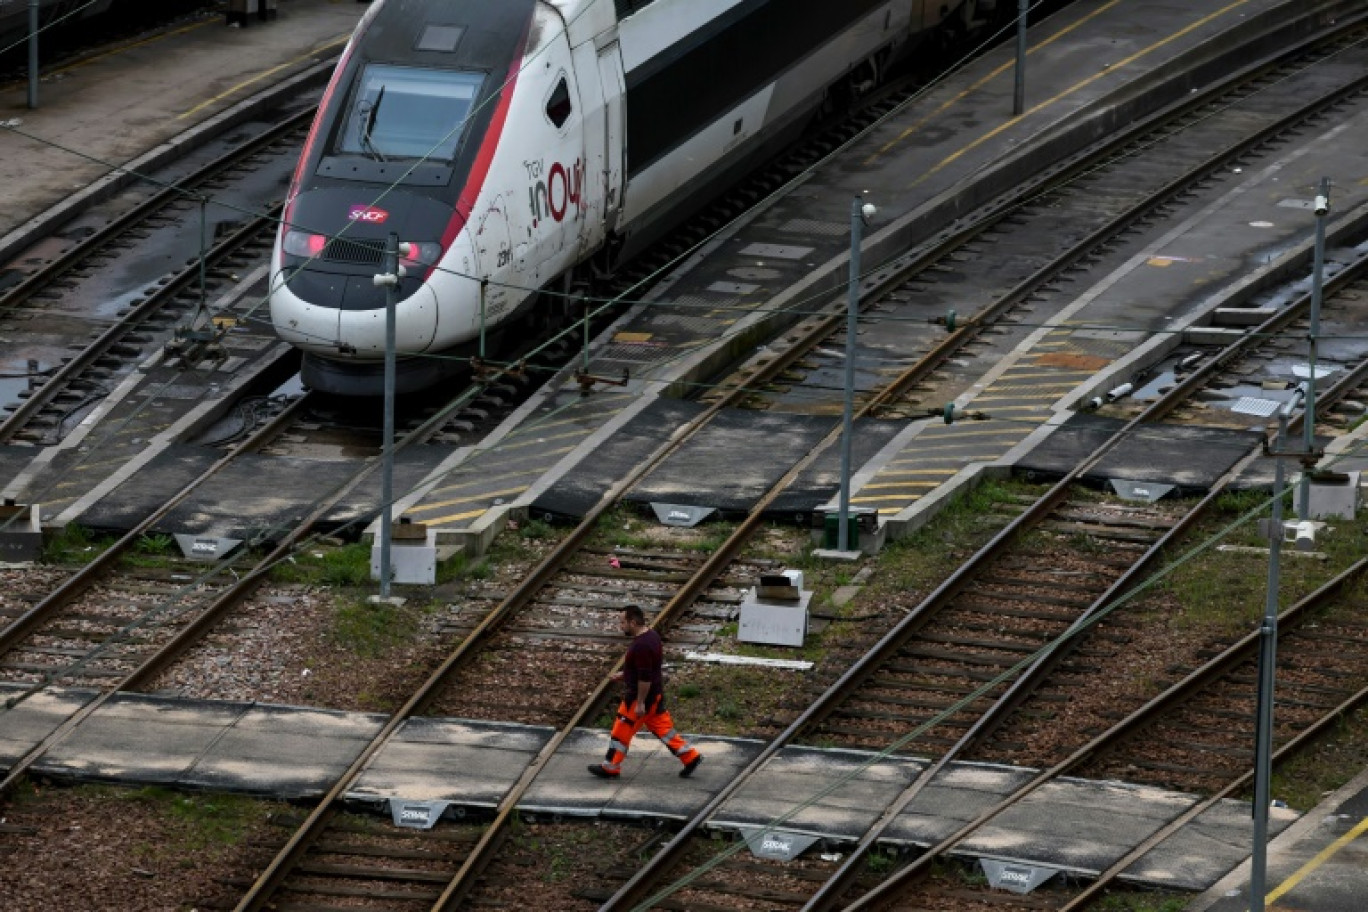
[657, 721]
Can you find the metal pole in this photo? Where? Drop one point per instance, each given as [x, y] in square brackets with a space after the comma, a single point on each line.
[387, 485]
[204, 246]
[1268, 649]
[33, 55]
[852, 313]
[1322, 207]
[484, 284]
[1019, 95]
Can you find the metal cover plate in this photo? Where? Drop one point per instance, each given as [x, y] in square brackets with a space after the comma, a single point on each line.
[1019, 878]
[1250, 405]
[680, 515]
[205, 547]
[418, 815]
[778, 251]
[741, 288]
[1146, 491]
[780, 845]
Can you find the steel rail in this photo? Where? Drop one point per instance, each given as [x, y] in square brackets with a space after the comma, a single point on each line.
[456, 889]
[101, 345]
[88, 575]
[1213, 670]
[180, 191]
[240, 589]
[636, 889]
[97, 569]
[1049, 657]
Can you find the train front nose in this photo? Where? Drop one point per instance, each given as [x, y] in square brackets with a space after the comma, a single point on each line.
[325, 297]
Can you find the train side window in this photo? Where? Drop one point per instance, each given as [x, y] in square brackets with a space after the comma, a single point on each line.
[558, 105]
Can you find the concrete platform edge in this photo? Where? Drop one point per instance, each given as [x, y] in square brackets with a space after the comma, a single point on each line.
[1285, 841]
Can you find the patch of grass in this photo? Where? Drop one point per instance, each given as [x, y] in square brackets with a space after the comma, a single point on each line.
[535, 529]
[879, 863]
[910, 566]
[1311, 776]
[453, 568]
[1224, 592]
[626, 528]
[369, 629]
[214, 820]
[1142, 902]
[326, 565]
[74, 544]
[154, 550]
[157, 543]
[728, 699]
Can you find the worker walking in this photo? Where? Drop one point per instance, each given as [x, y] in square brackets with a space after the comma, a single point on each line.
[643, 701]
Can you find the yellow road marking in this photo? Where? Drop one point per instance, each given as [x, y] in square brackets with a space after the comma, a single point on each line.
[901, 485]
[509, 445]
[329, 45]
[943, 473]
[1321, 858]
[454, 517]
[985, 80]
[955, 437]
[1076, 87]
[423, 508]
[128, 47]
[482, 479]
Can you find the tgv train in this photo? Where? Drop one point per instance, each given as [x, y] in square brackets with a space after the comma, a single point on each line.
[509, 144]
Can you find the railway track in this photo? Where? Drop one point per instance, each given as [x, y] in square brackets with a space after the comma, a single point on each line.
[654, 564]
[286, 868]
[1011, 271]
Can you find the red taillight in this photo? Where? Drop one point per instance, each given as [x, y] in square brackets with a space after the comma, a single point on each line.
[419, 253]
[304, 244]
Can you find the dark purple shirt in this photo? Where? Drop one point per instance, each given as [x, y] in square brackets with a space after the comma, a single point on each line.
[642, 664]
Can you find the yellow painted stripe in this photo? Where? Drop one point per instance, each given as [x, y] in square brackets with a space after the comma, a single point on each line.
[508, 445]
[987, 79]
[901, 485]
[567, 415]
[454, 517]
[863, 500]
[1079, 86]
[327, 46]
[943, 473]
[128, 47]
[935, 437]
[1008, 396]
[425, 507]
[1321, 858]
[469, 483]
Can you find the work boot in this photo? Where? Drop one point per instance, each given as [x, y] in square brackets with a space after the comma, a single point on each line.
[689, 767]
[602, 773]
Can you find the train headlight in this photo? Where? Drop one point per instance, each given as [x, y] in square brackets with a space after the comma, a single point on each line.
[420, 253]
[304, 244]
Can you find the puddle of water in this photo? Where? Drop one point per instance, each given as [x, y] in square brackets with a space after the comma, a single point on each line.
[10, 389]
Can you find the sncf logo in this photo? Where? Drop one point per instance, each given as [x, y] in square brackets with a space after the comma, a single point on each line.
[368, 214]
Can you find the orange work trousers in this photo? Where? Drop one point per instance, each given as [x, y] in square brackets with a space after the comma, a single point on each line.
[658, 720]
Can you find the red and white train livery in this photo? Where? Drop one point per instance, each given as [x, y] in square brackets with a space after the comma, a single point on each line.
[511, 142]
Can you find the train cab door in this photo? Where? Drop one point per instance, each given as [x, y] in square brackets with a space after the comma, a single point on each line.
[614, 132]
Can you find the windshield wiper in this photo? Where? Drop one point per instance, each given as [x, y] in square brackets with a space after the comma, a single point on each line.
[368, 125]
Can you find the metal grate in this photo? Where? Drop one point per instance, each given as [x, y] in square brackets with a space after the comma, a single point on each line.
[341, 250]
[812, 226]
[1251, 405]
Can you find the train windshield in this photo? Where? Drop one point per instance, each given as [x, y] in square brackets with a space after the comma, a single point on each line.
[405, 113]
